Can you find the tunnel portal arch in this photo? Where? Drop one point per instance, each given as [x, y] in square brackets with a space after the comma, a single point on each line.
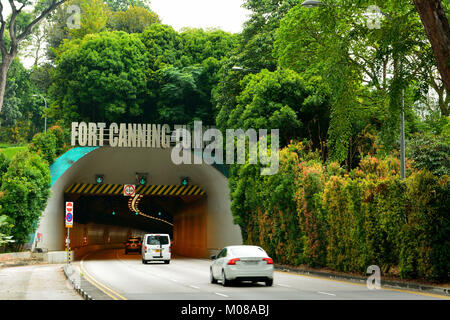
[201, 224]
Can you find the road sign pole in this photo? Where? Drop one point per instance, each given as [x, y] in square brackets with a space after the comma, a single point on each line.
[68, 245]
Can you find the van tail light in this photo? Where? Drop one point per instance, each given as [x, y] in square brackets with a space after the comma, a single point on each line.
[170, 249]
[268, 260]
[232, 262]
[145, 248]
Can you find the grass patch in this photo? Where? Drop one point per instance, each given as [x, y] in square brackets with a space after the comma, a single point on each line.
[10, 150]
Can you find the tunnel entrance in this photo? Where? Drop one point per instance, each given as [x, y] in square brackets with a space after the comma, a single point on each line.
[197, 216]
[152, 209]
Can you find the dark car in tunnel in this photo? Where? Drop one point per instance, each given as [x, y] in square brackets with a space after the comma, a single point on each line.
[133, 245]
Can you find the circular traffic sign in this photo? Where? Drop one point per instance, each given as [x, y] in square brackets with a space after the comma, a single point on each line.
[69, 217]
[129, 190]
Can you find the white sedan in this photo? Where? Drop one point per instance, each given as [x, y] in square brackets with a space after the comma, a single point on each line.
[242, 263]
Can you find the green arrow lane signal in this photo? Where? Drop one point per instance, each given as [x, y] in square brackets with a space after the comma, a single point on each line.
[142, 181]
[137, 213]
[99, 178]
[159, 213]
[113, 213]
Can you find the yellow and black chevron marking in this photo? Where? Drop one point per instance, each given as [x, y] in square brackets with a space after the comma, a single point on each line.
[147, 190]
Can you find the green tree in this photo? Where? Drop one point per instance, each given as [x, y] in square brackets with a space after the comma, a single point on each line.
[18, 31]
[102, 77]
[93, 18]
[25, 190]
[164, 46]
[365, 68]
[278, 100]
[133, 20]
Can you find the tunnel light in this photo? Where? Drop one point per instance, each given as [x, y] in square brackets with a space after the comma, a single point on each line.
[99, 178]
[141, 178]
[185, 181]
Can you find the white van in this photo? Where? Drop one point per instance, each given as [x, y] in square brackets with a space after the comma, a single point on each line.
[156, 247]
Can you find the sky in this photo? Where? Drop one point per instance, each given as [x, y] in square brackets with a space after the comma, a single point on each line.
[223, 14]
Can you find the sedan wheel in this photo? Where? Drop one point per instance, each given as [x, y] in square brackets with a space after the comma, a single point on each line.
[269, 282]
[225, 282]
[211, 277]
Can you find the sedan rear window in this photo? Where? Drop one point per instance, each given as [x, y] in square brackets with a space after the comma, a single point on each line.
[248, 251]
[157, 240]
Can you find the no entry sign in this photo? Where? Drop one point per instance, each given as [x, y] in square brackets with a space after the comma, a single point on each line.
[129, 190]
[69, 214]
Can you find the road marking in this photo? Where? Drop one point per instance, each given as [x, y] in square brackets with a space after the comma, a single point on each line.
[329, 294]
[365, 285]
[195, 287]
[174, 280]
[284, 285]
[102, 287]
[221, 294]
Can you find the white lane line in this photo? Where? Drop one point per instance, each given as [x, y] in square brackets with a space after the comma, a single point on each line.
[174, 280]
[195, 287]
[221, 294]
[329, 294]
[284, 285]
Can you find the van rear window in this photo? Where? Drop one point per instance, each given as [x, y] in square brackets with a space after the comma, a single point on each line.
[157, 240]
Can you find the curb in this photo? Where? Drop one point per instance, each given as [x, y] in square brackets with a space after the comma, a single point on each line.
[384, 283]
[76, 286]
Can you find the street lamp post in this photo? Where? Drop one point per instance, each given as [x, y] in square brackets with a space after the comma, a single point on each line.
[45, 102]
[314, 4]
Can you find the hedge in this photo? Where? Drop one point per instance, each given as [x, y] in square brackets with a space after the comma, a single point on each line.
[321, 216]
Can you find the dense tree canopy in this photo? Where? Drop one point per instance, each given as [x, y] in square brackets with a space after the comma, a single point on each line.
[101, 77]
[24, 193]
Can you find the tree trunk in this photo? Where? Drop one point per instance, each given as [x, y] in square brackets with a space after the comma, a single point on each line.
[436, 25]
[4, 66]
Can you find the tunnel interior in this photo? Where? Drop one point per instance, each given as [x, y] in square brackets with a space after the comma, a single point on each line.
[112, 219]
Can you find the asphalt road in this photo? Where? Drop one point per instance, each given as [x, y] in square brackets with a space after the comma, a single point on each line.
[124, 277]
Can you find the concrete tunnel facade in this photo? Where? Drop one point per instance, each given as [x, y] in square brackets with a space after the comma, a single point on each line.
[200, 227]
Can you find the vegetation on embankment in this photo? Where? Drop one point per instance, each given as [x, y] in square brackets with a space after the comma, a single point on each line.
[323, 216]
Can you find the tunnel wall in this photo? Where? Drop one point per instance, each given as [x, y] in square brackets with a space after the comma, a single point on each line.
[189, 236]
[119, 166]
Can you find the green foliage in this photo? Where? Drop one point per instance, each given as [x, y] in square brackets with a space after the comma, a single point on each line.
[21, 115]
[5, 229]
[200, 45]
[93, 18]
[49, 145]
[425, 250]
[101, 77]
[133, 20]
[24, 191]
[354, 61]
[277, 100]
[431, 153]
[164, 46]
[324, 217]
